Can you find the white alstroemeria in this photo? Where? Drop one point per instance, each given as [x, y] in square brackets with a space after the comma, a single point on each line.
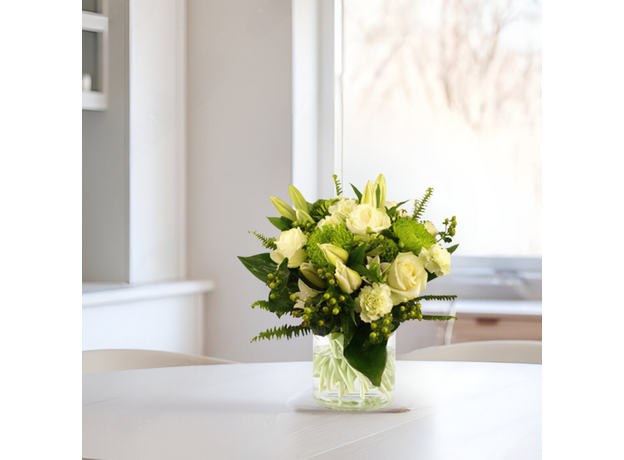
[374, 302]
[436, 260]
[305, 293]
[290, 244]
[381, 266]
[342, 208]
[407, 277]
[348, 279]
[400, 212]
[365, 217]
[333, 253]
[431, 228]
[330, 220]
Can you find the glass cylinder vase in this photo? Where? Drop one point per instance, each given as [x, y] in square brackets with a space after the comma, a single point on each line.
[337, 385]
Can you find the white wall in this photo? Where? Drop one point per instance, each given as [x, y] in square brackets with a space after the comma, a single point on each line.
[239, 154]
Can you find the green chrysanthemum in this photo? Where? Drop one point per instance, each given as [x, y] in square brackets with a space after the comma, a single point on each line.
[412, 235]
[338, 235]
[385, 248]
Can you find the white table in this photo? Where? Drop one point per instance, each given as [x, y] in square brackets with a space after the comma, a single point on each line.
[458, 410]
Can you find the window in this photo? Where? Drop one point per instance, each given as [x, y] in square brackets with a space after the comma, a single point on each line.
[443, 94]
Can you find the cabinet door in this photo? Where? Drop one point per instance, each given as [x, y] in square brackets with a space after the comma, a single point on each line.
[473, 328]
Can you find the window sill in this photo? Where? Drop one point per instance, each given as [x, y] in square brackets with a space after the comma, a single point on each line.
[96, 294]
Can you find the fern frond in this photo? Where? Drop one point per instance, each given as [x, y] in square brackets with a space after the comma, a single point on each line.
[438, 318]
[419, 206]
[282, 331]
[268, 243]
[445, 298]
[338, 186]
[262, 304]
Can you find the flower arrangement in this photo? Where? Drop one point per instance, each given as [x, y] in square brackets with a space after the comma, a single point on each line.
[352, 268]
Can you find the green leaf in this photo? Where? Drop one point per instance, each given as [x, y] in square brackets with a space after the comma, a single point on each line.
[282, 223]
[260, 265]
[370, 274]
[348, 328]
[357, 193]
[357, 256]
[367, 358]
[378, 196]
[438, 318]
[392, 211]
[452, 249]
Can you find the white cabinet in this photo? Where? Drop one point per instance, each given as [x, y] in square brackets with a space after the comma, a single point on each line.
[95, 55]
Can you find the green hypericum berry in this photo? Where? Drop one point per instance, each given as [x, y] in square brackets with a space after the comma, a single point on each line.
[373, 326]
[293, 297]
[384, 330]
[402, 308]
[307, 310]
[332, 281]
[325, 310]
[332, 301]
[326, 296]
[386, 322]
[336, 310]
[270, 276]
[305, 317]
[373, 335]
[272, 285]
[272, 296]
[321, 323]
[341, 298]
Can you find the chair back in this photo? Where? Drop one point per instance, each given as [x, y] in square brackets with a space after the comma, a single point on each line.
[493, 351]
[94, 361]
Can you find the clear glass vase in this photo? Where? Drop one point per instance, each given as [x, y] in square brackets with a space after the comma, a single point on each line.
[339, 386]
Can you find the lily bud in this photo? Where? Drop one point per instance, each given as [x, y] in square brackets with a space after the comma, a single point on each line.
[283, 208]
[308, 270]
[297, 199]
[381, 182]
[348, 280]
[333, 253]
[303, 216]
[368, 195]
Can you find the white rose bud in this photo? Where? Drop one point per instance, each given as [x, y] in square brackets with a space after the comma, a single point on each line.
[436, 260]
[407, 277]
[373, 302]
[333, 253]
[348, 280]
[290, 244]
[365, 216]
[431, 228]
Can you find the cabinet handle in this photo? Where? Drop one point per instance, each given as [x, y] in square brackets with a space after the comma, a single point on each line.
[487, 321]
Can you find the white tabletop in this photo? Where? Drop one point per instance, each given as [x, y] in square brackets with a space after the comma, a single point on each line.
[457, 410]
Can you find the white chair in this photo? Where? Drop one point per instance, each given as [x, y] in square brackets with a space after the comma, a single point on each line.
[492, 351]
[95, 361]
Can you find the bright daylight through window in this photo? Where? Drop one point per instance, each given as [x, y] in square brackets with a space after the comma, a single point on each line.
[447, 94]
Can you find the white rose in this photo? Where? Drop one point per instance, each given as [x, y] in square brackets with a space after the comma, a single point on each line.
[407, 277]
[436, 260]
[290, 244]
[373, 302]
[366, 216]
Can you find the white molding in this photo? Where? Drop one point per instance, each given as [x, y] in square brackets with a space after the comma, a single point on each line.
[94, 22]
[484, 307]
[112, 294]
